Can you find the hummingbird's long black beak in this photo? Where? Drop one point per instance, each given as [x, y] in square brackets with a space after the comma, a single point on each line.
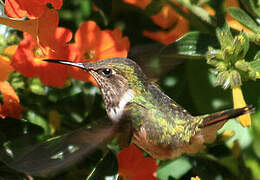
[76, 64]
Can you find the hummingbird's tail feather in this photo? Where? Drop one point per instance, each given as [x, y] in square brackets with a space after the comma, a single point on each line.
[225, 115]
[213, 122]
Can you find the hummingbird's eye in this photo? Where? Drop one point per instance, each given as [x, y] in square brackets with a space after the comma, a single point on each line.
[106, 72]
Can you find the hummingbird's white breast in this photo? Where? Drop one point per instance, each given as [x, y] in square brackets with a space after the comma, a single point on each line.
[116, 112]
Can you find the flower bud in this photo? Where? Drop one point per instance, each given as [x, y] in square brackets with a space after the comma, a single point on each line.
[221, 66]
[252, 73]
[235, 78]
[228, 54]
[242, 65]
[223, 79]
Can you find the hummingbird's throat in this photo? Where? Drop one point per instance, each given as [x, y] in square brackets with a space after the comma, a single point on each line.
[116, 112]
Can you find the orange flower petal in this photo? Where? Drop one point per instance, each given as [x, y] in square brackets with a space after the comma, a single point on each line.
[233, 22]
[166, 17]
[31, 9]
[28, 59]
[57, 4]
[10, 50]
[48, 24]
[195, 178]
[209, 9]
[92, 44]
[139, 3]
[5, 68]
[43, 29]
[11, 105]
[167, 37]
[133, 165]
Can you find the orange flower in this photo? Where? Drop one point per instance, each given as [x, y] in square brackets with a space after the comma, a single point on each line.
[28, 58]
[42, 29]
[166, 18]
[11, 106]
[139, 3]
[233, 22]
[92, 44]
[195, 178]
[168, 36]
[31, 9]
[133, 165]
[5, 68]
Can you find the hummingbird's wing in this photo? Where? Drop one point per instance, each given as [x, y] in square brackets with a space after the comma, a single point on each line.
[58, 153]
[154, 63]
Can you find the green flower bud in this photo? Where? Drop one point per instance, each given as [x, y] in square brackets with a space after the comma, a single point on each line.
[235, 78]
[228, 54]
[252, 73]
[221, 66]
[242, 65]
[238, 45]
[213, 54]
[223, 79]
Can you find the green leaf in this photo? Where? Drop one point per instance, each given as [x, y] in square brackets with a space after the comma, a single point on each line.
[192, 44]
[254, 166]
[182, 164]
[241, 134]
[257, 56]
[242, 17]
[252, 6]
[256, 66]
[197, 16]
[37, 87]
[35, 118]
[86, 8]
[154, 7]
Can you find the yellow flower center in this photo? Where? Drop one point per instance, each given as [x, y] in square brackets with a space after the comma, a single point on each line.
[90, 54]
[40, 52]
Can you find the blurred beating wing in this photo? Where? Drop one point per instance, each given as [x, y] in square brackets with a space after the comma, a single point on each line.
[58, 153]
[153, 62]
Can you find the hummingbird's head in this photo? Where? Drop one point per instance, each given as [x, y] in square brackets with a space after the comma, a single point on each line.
[119, 79]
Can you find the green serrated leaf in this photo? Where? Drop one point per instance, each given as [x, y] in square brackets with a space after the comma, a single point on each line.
[256, 65]
[252, 6]
[154, 7]
[191, 45]
[242, 17]
[257, 56]
[197, 16]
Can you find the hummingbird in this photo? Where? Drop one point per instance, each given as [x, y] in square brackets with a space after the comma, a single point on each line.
[156, 123]
[140, 113]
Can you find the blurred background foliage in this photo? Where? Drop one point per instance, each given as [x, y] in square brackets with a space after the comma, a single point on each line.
[180, 69]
